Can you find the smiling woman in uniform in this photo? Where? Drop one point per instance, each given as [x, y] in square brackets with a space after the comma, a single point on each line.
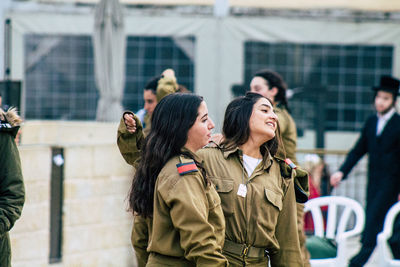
[256, 188]
[171, 187]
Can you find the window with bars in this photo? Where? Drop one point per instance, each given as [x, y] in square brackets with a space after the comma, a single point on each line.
[346, 72]
[59, 72]
[147, 57]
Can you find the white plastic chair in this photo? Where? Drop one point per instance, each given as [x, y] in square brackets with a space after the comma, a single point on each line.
[335, 230]
[384, 252]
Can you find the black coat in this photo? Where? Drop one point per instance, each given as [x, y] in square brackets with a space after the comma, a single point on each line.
[394, 241]
[383, 171]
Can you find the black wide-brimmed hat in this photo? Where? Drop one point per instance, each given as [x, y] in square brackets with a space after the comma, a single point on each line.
[388, 84]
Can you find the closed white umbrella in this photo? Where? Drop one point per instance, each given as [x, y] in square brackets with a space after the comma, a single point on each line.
[109, 57]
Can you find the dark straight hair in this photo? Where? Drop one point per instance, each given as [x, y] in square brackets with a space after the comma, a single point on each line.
[275, 80]
[152, 84]
[172, 118]
[236, 127]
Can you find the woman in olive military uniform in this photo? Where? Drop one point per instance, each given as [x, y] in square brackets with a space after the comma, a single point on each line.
[256, 188]
[154, 91]
[272, 86]
[171, 186]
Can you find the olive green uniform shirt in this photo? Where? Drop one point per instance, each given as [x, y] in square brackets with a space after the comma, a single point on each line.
[188, 222]
[141, 230]
[268, 193]
[188, 218]
[289, 139]
[129, 144]
[266, 216]
[288, 133]
[147, 123]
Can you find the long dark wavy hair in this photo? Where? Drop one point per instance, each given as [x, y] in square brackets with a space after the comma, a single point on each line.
[275, 80]
[236, 128]
[172, 118]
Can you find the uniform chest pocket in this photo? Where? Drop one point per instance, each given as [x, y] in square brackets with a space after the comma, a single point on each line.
[224, 187]
[274, 198]
[213, 197]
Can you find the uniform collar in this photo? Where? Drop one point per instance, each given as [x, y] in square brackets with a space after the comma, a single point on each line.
[228, 152]
[267, 158]
[194, 156]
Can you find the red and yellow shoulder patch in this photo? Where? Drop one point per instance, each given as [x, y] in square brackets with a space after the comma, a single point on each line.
[290, 163]
[188, 167]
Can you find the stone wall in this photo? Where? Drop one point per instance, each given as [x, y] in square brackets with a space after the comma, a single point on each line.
[30, 235]
[96, 225]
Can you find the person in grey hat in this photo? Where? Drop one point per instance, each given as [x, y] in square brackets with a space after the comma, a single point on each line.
[380, 138]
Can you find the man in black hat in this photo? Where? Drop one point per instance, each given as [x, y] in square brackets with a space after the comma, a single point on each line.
[380, 138]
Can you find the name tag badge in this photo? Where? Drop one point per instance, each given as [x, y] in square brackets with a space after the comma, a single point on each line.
[242, 191]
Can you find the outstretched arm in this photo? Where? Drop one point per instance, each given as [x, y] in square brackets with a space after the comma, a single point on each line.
[130, 137]
[355, 154]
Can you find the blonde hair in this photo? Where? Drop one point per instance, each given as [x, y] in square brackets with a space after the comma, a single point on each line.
[311, 161]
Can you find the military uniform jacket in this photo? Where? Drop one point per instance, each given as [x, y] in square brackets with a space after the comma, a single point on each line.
[188, 222]
[270, 190]
[12, 193]
[129, 144]
[288, 133]
[141, 230]
[266, 216]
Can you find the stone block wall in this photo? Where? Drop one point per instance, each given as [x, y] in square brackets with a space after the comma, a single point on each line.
[96, 225]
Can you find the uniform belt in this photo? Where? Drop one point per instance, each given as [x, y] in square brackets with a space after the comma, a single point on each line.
[244, 250]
